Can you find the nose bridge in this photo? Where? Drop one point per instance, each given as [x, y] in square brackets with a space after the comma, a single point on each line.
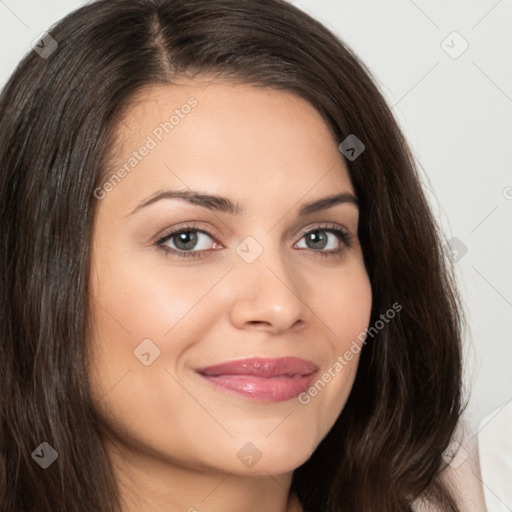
[268, 288]
[263, 257]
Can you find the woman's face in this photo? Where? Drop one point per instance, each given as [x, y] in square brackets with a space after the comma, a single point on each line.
[268, 283]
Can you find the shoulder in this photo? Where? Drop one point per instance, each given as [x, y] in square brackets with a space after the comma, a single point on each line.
[462, 475]
[495, 451]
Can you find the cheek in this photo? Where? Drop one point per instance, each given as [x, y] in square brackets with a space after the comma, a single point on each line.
[346, 314]
[137, 297]
[347, 306]
[134, 300]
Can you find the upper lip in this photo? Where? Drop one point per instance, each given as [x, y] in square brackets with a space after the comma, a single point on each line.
[263, 367]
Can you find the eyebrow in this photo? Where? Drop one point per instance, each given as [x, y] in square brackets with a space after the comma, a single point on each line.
[223, 204]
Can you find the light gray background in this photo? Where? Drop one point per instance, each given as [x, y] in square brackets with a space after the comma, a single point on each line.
[456, 113]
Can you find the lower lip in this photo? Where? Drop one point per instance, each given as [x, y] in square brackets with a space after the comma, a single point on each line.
[263, 389]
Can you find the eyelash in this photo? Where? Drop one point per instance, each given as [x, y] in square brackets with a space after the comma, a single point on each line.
[344, 235]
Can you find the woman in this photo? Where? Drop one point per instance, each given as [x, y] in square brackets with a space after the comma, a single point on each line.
[223, 288]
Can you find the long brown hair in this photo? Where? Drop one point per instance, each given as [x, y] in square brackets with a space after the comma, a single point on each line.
[58, 117]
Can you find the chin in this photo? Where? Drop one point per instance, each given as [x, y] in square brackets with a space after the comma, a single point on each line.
[277, 459]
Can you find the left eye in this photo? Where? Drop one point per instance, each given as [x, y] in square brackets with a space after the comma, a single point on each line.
[320, 238]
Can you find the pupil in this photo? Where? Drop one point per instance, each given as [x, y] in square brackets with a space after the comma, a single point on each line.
[318, 235]
[187, 239]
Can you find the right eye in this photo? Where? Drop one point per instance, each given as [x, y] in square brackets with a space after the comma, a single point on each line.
[184, 240]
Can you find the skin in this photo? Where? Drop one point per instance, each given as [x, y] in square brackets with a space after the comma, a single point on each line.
[173, 438]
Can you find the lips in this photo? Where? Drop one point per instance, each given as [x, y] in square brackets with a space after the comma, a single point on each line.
[263, 367]
[262, 379]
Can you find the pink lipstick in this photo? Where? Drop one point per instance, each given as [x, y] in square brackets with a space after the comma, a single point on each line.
[262, 379]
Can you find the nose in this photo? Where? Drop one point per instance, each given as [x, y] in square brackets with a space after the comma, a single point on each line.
[268, 294]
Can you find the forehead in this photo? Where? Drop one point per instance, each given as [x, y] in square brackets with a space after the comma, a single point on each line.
[228, 138]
